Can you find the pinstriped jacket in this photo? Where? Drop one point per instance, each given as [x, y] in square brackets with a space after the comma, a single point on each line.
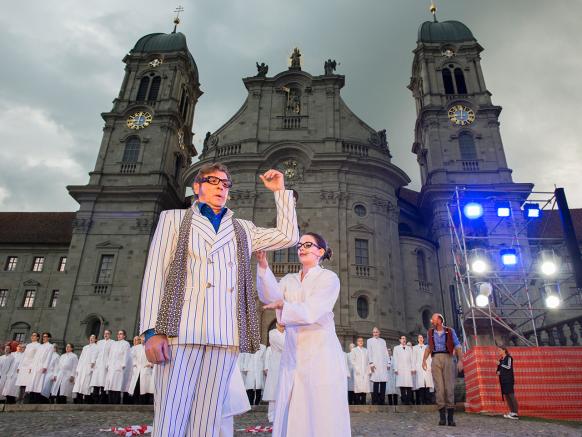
[209, 314]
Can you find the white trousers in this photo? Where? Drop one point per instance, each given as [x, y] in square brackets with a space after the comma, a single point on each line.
[190, 390]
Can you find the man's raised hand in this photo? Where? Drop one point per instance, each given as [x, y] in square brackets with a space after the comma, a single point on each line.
[273, 180]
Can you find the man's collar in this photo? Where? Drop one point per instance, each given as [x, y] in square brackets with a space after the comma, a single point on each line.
[204, 208]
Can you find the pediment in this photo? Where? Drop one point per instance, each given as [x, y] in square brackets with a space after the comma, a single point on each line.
[361, 228]
[31, 283]
[109, 245]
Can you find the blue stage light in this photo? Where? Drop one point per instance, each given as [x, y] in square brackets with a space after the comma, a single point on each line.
[473, 210]
[532, 210]
[503, 209]
[509, 257]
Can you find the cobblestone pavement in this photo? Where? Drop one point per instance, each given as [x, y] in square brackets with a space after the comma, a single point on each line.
[86, 423]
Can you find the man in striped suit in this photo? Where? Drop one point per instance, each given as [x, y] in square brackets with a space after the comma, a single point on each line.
[194, 332]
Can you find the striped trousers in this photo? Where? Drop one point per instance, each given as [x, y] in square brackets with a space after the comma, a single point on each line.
[190, 390]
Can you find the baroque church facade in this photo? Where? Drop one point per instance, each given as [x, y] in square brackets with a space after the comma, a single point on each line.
[79, 273]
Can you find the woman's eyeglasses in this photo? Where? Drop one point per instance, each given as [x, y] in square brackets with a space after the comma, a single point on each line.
[307, 245]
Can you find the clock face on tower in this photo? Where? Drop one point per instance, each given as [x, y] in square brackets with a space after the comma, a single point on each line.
[139, 120]
[461, 115]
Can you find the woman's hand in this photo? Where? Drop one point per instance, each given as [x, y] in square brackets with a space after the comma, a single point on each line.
[262, 259]
[278, 305]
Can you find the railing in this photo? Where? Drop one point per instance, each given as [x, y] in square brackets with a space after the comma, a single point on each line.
[292, 122]
[456, 96]
[362, 271]
[424, 286]
[470, 165]
[231, 149]
[355, 149]
[101, 288]
[564, 333]
[128, 168]
[280, 269]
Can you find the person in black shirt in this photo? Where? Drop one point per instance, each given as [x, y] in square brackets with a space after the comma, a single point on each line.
[506, 380]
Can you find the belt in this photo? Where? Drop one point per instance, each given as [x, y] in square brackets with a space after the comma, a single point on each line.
[439, 352]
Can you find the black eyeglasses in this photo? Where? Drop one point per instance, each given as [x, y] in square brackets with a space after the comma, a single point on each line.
[307, 245]
[213, 180]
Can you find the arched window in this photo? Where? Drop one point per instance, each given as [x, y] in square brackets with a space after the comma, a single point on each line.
[182, 98]
[185, 109]
[421, 265]
[448, 81]
[362, 307]
[178, 166]
[460, 81]
[426, 315]
[154, 89]
[142, 91]
[131, 152]
[93, 328]
[467, 146]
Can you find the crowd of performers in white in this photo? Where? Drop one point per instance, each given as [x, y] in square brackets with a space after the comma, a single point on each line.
[107, 371]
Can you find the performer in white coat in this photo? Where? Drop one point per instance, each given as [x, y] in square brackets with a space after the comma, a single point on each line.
[272, 364]
[361, 364]
[391, 391]
[378, 365]
[84, 371]
[198, 307]
[5, 363]
[40, 366]
[99, 376]
[255, 376]
[422, 379]
[25, 374]
[404, 370]
[351, 397]
[11, 390]
[51, 376]
[118, 368]
[67, 368]
[142, 374]
[311, 398]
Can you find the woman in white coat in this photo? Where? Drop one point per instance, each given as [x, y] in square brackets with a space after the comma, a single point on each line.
[11, 390]
[351, 396]
[311, 398]
[361, 365]
[404, 370]
[142, 374]
[99, 376]
[118, 368]
[40, 367]
[272, 364]
[5, 363]
[63, 386]
[24, 371]
[51, 375]
[422, 379]
[391, 391]
[84, 371]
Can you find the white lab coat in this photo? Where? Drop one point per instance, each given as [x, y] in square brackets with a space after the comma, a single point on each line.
[99, 376]
[391, 383]
[272, 364]
[10, 387]
[119, 367]
[360, 363]
[42, 360]
[311, 398]
[254, 365]
[66, 370]
[403, 367]
[85, 369]
[378, 356]
[5, 363]
[51, 375]
[422, 378]
[350, 371]
[24, 376]
[142, 370]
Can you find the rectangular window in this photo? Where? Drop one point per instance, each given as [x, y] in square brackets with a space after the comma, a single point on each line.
[11, 263]
[62, 264]
[19, 337]
[292, 255]
[279, 256]
[3, 297]
[105, 270]
[29, 296]
[38, 264]
[54, 298]
[362, 258]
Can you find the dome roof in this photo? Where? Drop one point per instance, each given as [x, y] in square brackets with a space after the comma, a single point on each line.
[445, 31]
[163, 42]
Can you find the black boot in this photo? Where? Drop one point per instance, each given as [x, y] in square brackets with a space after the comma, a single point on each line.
[450, 419]
[443, 418]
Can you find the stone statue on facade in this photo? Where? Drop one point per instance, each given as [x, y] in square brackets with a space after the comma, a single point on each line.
[295, 59]
[262, 69]
[329, 67]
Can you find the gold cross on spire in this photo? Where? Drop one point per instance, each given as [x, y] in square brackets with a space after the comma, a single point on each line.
[178, 9]
[433, 10]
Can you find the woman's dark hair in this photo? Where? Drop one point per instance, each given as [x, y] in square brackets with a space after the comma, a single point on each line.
[72, 346]
[322, 244]
[504, 348]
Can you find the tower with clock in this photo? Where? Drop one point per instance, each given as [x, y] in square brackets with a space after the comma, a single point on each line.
[457, 140]
[145, 149]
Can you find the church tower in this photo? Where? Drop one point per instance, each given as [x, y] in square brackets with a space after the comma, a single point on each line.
[457, 139]
[146, 146]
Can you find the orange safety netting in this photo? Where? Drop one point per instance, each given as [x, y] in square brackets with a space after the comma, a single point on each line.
[548, 381]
